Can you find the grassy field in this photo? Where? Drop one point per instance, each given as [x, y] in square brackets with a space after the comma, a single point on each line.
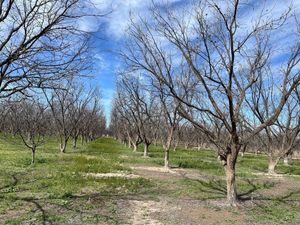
[57, 190]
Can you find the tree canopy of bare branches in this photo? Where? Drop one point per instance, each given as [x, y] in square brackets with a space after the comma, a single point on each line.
[40, 44]
[210, 61]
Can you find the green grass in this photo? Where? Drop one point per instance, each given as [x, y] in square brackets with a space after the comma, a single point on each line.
[56, 189]
[58, 177]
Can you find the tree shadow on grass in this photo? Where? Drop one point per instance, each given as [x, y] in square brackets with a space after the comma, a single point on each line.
[47, 207]
[43, 205]
[39, 208]
[9, 188]
[216, 188]
[12, 184]
[253, 188]
[284, 199]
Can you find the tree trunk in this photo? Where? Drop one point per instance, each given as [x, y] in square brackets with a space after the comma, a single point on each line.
[146, 149]
[243, 151]
[230, 181]
[129, 140]
[75, 142]
[33, 154]
[134, 146]
[168, 146]
[286, 161]
[175, 146]
[82, 139]
[63, 146]
[272, 165]
[167, 151]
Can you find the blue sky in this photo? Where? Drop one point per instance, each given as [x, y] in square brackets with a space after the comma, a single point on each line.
[107, 35]
[109, 31]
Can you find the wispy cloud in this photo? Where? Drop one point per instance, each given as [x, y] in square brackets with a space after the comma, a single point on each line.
[114, 26]
[118, 20]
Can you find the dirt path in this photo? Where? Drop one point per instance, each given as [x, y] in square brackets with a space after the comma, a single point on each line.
[283, 185]
[174, 212]
[107, 175]
[170, 211]
[137, 212]
[176, 173]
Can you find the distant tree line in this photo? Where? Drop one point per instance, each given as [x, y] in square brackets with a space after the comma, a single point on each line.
[72, 114]
[43, 51]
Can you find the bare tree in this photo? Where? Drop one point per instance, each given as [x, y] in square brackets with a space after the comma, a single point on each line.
[30, 121]
[289, 125]
[40, 44]
[60, 102]
[170, 118]
[219, 62]
[279, 140]
[124, 120]
[78, 111]
[93, 123]
[141, 106]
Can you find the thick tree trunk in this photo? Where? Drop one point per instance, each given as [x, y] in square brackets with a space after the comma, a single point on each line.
[272, 164]
[230, 181]
[146, 149]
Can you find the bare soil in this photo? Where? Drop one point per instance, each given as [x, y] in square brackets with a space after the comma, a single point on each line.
[172, 211]
[146, 210]
[119, 174]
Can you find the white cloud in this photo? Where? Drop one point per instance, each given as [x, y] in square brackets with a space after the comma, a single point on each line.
[100, 61]
[88, 24]
[118, 20]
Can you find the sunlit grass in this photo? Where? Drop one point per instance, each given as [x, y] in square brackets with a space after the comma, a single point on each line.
[58, 181]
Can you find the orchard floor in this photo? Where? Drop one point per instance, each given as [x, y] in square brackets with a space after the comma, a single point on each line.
[104, 182]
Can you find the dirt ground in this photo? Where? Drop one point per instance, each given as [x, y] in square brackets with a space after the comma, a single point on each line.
[172, 211]
[159, 210]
